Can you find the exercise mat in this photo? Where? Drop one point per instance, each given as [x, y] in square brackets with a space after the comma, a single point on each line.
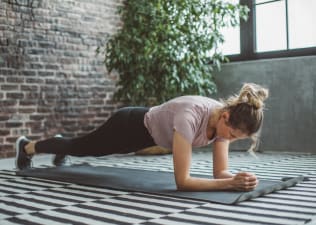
[155, 182]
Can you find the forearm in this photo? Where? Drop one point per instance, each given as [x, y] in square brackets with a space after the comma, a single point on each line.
[203, 184]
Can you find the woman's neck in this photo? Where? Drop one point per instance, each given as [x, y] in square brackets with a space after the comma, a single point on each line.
[212, 122]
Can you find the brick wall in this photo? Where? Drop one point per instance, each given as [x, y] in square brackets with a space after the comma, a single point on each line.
[51, 80]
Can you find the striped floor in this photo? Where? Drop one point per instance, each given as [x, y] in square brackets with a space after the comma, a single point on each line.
[37, 201]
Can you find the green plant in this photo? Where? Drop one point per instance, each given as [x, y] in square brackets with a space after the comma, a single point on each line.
[168, 48]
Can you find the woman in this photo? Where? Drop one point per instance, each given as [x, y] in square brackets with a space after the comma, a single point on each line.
[179, 124]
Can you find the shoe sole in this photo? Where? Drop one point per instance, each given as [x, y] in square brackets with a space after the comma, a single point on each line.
[17, 149]
[57, 136]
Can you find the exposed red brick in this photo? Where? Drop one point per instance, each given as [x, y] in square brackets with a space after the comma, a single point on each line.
[51, 80]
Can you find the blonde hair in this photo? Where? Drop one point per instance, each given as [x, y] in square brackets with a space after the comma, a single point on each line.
[246, 111]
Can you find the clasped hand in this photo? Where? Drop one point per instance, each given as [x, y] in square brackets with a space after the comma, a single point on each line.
[244, 181]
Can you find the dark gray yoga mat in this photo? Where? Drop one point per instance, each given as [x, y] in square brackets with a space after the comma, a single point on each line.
[149, 182]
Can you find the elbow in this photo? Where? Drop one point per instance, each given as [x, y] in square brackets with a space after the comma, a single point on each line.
[181, 185]
[222, 174]
[217, 175]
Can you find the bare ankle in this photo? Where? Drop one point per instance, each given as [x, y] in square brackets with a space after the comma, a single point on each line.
[30, 148]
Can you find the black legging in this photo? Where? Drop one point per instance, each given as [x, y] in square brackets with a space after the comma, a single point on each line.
[124, 132]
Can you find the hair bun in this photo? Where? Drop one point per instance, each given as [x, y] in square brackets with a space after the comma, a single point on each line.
[253, 94]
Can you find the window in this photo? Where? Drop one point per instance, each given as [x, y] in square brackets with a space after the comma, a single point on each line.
[232, 37]
[275, 28]
[270, 26]
[301, 25]
[232, 41]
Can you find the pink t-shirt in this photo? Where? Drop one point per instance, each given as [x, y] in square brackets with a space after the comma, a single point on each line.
[188, 115]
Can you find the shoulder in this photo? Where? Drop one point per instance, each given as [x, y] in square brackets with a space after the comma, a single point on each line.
[193, 100]
[199, 102]
[189, 104]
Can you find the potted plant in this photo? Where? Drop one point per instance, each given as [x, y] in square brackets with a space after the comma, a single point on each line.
[169, 48]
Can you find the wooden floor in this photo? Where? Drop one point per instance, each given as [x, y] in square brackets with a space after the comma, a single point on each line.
[36, 201]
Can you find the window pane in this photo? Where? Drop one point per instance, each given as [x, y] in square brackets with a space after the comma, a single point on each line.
[231, 45]
[271, 26]
[232, 41]
[302, 28]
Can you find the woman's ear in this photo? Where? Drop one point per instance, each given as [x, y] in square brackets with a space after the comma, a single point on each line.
[225, 116]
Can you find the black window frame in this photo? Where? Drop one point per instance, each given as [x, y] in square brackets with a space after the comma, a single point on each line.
[248, 40]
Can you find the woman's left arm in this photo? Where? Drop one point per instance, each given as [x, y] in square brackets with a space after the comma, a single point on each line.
[244, 181]
[220, 159]
[182, 157]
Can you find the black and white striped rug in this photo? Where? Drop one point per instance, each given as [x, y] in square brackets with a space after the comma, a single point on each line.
[36, 201]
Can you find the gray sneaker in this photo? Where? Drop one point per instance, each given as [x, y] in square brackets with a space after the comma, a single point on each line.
[60, 159]
[22, 160]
